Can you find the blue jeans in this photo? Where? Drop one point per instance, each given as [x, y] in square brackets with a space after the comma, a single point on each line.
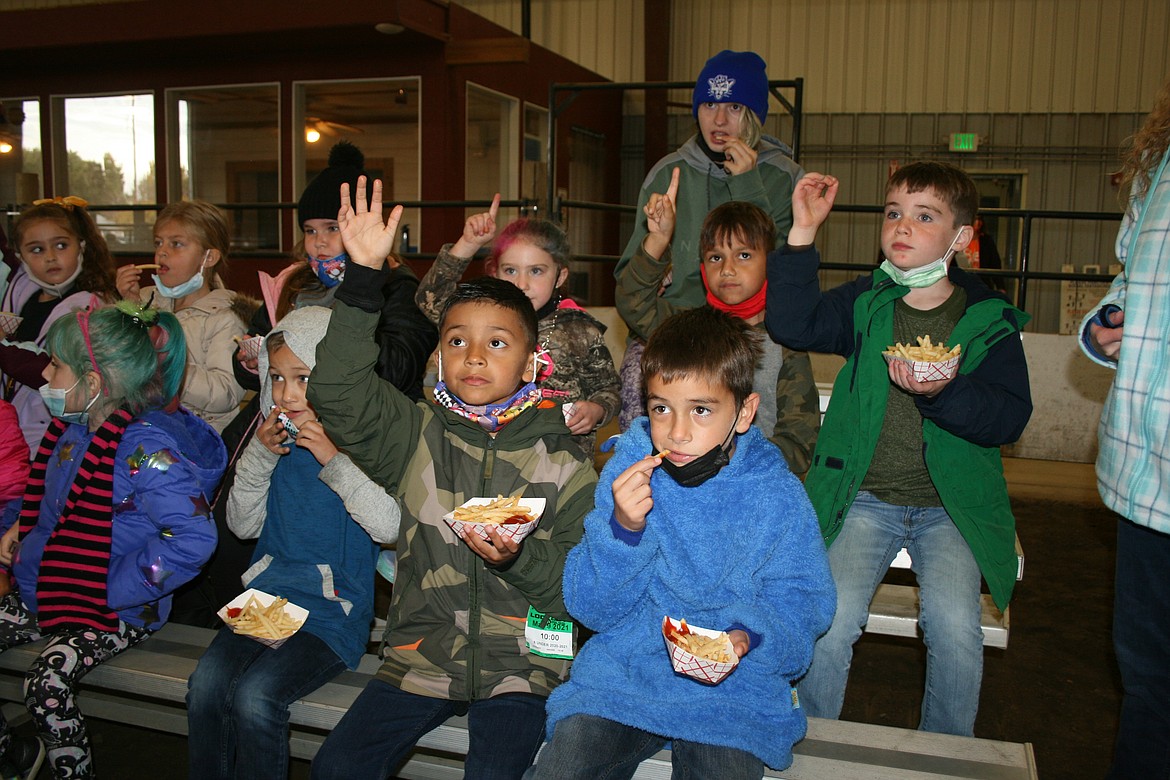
[1141, 639]
[237, 702]
[949, 610]
[586, 747]
[377, 734]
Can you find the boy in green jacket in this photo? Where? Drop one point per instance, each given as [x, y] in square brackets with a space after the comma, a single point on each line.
[901, 462]
[474, 627]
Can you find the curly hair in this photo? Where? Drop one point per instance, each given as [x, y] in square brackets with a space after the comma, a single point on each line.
[97, 264]
[1144, 150]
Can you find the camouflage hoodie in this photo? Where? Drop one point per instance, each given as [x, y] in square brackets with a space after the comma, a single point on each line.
[583, 368]
[456, 626]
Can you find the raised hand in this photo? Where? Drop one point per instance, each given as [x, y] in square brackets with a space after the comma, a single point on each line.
[812, 200]
[660, 218]
[367, 241]
[478, 231]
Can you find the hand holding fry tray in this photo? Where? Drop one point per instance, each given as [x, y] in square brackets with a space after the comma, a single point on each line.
[261, 616]
[513, 517]
[928, 361]
[700, 653]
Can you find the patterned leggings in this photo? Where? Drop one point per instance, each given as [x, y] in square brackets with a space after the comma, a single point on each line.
[48, 684]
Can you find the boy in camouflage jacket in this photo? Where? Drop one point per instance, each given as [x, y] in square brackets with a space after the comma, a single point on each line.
[462, 608]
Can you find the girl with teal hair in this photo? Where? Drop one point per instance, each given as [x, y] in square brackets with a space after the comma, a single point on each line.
[120, 448]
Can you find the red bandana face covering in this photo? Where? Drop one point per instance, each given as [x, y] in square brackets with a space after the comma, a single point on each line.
[744, 310]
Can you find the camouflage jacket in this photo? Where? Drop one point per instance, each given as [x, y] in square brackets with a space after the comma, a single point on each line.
[583, 369]
[790, 410]
[456, 626]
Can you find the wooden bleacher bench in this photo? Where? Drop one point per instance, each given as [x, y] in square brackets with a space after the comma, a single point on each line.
[146, 686]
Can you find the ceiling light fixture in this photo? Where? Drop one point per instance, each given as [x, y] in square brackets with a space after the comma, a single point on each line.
[312, 135]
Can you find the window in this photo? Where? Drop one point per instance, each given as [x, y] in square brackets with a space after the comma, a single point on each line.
[224, 147]
[380, 117]
[21, 163]
[492, 163]
[109, 161]
[534, 174]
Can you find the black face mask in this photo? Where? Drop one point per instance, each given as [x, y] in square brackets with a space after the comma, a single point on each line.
[707, 465]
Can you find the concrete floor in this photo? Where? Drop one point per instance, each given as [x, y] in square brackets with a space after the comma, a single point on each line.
[1054, 686]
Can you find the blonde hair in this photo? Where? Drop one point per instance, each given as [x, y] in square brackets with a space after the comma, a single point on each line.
[208, 224]
[1145, 149]
[750, 129]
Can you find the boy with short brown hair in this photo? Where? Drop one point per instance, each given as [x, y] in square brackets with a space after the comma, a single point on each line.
[901, 462]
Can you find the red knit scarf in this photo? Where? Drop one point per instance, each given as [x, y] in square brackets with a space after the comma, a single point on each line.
[75, 564]
[745, 310]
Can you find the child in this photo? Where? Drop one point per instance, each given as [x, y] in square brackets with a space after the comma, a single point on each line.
[405, 337]
[729, 158]
[191, 241]
[915, 464]
[733, 248]
[462, 608]
[319, 520]
[63, 261]
[111, 373]
[648, 552]
[533, 254]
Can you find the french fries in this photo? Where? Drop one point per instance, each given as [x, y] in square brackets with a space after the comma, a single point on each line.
[662, 454]
[504, 510]
[147, 267]
[255, 619]
[713, 648]
[925, 351]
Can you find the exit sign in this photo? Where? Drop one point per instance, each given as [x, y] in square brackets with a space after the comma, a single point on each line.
[964, 142]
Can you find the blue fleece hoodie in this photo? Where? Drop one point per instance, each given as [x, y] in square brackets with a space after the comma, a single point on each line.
[741, 549]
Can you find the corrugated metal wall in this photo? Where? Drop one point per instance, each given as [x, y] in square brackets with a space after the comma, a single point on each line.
[900, 56]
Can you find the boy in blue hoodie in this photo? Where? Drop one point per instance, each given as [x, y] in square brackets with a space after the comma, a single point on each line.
[649, 551]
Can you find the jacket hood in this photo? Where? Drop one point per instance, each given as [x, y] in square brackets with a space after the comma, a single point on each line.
[303, 330]
[196, 440]
[771, 151]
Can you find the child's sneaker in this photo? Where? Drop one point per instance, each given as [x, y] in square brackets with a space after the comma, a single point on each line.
[23, 759]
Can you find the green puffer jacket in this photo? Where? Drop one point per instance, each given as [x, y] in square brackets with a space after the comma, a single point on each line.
[456, 626]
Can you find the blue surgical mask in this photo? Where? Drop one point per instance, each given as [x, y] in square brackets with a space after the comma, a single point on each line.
[186, 288]
[330, 272]
[54, 398]
[925, 275]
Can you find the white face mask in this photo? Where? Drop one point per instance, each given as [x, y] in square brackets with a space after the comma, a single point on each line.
[925, 275]
[58, 290]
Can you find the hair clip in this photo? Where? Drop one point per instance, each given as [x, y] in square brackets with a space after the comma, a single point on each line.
[65, 202]
[139, 314]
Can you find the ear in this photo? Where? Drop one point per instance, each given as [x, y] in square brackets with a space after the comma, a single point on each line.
[562, 277]
[529, 374]
[747, 413]
[213, 256]
[966, 233]
[93, 384]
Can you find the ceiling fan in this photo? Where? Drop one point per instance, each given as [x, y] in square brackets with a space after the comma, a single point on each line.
[316, 127]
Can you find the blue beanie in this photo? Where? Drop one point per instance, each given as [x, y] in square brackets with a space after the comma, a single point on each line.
[734, 77]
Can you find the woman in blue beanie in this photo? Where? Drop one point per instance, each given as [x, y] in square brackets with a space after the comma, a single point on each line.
[728, 159]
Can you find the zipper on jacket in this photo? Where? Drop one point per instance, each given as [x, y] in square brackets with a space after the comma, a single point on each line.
[473, 595]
